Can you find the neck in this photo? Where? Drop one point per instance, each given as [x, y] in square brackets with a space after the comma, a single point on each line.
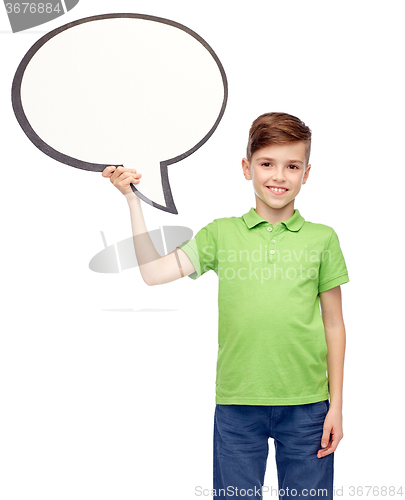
[274, 215]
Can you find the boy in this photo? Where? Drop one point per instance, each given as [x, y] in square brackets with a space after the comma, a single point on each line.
[274, 345]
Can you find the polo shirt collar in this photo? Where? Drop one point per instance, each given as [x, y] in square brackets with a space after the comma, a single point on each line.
[294, 223]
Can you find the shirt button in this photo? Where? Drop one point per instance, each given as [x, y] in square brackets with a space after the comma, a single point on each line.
[269, 229]
[273, 241]
[272, 251]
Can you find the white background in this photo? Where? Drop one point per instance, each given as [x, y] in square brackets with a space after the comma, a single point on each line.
[107, 385]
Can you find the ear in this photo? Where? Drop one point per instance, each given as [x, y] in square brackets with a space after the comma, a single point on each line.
[304, 179]
[246, 169]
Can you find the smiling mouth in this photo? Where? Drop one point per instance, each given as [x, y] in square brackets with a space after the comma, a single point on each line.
[277, 190]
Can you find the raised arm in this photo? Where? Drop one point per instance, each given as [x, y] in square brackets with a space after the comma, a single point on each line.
[155, 269]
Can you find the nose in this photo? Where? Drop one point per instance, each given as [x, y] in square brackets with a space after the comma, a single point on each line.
[278, 174]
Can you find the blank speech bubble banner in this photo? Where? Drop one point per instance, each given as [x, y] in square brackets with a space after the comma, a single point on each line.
[121, 89]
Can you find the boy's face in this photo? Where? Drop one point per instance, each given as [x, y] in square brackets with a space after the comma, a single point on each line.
[281, 166]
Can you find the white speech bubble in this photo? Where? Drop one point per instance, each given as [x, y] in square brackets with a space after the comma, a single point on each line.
[121, 89]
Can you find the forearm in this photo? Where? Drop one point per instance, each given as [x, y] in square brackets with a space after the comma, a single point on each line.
[145, 251]
[336, 343]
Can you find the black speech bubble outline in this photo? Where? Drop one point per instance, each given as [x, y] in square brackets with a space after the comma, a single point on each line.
[97, 167]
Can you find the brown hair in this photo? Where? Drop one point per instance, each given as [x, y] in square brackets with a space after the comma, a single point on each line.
[277, 128]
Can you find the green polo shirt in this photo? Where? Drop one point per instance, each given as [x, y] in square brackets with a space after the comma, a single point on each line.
[271, 338]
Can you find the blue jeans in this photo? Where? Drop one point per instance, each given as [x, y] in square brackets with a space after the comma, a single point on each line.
[241, 434]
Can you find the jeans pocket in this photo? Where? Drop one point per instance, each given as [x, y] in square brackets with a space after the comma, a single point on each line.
[320, 408]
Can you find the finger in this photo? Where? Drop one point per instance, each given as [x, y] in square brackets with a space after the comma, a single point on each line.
[125, 179]
[330, 448]
[132, 171]
[322, 451]
[120, 171]
[128, 175]
[134, 181]
[136, 176]
[325, 437]
[333, 447]
[323, 454]
[108, 171]
[117, 172]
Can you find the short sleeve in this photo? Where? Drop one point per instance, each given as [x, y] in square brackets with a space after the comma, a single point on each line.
[202, 250]
[332, 271]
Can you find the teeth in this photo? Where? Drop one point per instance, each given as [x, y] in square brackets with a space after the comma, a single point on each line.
[278, 190]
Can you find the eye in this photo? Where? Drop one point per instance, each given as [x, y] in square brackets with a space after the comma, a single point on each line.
[266, 164]
[295, 167]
